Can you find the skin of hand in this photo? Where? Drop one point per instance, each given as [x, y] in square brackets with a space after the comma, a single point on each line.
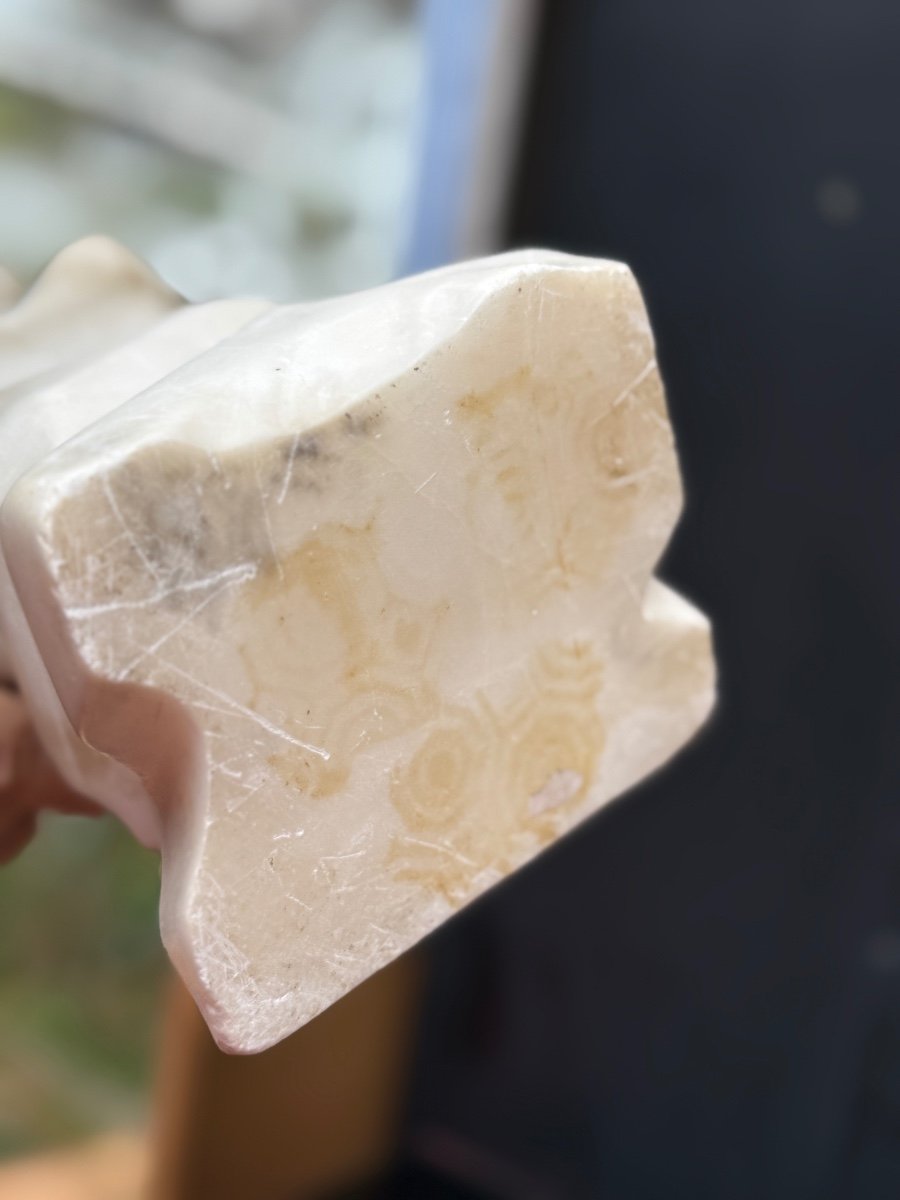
[28, 780]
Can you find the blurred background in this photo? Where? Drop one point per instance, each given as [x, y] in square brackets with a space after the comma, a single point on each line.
[698, 994]
[242, 146]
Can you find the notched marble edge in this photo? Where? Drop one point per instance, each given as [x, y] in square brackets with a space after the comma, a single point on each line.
[306, 447]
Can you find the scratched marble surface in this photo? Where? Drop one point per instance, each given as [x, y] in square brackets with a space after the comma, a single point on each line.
[348, 608]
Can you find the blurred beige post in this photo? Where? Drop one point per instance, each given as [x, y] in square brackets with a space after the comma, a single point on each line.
[110, 1167]
[320, 1111]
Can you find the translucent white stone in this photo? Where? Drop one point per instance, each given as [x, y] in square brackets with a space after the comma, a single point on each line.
[92, 296]
[96, 328]
[353, 613]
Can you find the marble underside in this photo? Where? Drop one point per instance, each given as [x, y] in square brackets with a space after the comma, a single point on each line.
[349, 607]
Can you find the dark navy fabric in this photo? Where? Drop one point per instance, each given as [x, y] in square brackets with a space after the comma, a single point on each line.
[698, 994]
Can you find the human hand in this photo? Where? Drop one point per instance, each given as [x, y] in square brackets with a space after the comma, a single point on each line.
[28, 780]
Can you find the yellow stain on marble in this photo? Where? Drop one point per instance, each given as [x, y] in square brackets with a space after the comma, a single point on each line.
[572, 487]
[374, 687]
[489, 784]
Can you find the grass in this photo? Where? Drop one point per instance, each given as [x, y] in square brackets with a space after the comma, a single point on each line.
[80, 974]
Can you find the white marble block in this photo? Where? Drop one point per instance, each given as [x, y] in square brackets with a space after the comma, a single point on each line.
[353, 613]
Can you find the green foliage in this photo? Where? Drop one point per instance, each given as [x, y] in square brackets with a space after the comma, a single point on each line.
[80, 974]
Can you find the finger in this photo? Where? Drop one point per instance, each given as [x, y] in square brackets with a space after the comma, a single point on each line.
[27, 776]
[13, 720]
[16, 834]
[40, 785]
